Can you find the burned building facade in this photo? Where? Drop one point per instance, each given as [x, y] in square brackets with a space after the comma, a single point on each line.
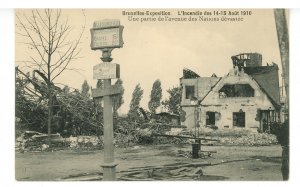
[247, 97]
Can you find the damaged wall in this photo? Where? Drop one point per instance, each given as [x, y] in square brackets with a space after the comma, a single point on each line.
[230, 106]
[190, 121]
[202, 85]
[229, 111]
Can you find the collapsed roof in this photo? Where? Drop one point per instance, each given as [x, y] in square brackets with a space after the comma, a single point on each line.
[268, 80]
[266, 77]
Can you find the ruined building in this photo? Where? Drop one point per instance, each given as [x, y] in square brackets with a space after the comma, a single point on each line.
[247, 97]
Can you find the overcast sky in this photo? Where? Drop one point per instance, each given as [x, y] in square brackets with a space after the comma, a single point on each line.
[160, 50]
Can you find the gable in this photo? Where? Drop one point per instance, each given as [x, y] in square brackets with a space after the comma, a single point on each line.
[213, 97]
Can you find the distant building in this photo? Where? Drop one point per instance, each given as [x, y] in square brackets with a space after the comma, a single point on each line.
[163, 115]
[169, 118]
[247, 97]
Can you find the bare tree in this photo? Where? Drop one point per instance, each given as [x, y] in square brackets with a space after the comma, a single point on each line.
[47, 34]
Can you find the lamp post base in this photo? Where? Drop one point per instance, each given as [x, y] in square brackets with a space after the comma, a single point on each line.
[109, 172]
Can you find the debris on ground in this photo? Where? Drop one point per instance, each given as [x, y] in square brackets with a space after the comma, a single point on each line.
[232, 137]
[186, 154]
[37, 142]
[145, 134]
[251, 139]
[186, 171]
[45, 147]
[167, 172]
[85, 142]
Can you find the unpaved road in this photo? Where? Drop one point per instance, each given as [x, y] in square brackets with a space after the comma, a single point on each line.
[229, 163]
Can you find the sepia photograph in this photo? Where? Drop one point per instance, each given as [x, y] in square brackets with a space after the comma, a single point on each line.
[152, 94]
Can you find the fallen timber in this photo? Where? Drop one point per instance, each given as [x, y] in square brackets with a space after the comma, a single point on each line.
[165, 172]
[196, 147]
[187, 137]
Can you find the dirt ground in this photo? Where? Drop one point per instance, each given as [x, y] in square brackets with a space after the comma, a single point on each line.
[237, 163]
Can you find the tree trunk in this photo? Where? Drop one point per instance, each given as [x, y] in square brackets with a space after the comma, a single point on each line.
[50, 101]
[283, 41]
[285, 163]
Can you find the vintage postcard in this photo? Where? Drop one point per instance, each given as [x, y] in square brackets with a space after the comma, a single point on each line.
[152, 95]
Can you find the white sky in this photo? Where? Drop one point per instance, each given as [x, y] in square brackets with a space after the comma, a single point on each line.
[156, 50]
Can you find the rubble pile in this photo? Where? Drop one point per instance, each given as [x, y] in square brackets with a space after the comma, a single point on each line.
[35, 141]
[252, 139]
[168, 140]
[234, 137]
[219, 133]
[129, 134]
[85, 142]
[31, 141]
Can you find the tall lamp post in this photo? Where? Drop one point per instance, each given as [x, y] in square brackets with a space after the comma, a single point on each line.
[106, 35]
